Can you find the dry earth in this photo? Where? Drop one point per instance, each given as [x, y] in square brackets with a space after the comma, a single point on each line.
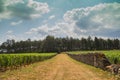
[61, 67]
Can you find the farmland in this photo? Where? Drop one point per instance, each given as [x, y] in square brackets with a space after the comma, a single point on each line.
[10, 61]
[112, 55]
[60, 67]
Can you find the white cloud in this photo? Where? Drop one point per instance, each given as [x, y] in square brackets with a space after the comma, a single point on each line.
[10, 35]
[60, 29]
[52, 16]
[11, 2]
[42, 30]
[9, 32]
[16, 23]
[95, 20]
[99, 16]
[5, 15]
[45, 21]
[25, 9]
[101, 20]
[40, 8]
[49, 19]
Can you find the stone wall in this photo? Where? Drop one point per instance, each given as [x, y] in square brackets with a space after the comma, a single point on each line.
[98, 60]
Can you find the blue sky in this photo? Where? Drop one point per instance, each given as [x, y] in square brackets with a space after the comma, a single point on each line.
[35, 19]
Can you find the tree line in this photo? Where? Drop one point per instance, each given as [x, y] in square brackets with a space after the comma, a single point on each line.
[52, 44]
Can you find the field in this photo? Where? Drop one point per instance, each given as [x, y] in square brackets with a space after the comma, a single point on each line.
[60, 67]
[112, 55]
[10, 61]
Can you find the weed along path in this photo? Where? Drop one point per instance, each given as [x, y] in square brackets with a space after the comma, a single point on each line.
[60, 67]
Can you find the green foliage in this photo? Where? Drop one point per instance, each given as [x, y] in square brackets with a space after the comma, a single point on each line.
[53, 44]
[112, 55]
[15, 60]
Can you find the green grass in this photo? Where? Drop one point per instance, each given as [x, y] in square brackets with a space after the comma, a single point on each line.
[110, 54]
[16, 60]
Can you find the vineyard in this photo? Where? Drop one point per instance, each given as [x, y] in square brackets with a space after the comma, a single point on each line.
[112, 55]
[10, 61]
[60, 67]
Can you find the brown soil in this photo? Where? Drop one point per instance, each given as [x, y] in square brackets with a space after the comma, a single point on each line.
[61, 67]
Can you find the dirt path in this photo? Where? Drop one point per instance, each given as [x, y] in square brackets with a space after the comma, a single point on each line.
[61, 67]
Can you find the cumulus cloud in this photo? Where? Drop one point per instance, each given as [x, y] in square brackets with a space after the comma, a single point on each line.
[39, 30]
[60, 29]
[95, 20]
[43, 30]
[46, 21]
[101, 20]
[25, 9]
[16, 23]
[52, 16]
